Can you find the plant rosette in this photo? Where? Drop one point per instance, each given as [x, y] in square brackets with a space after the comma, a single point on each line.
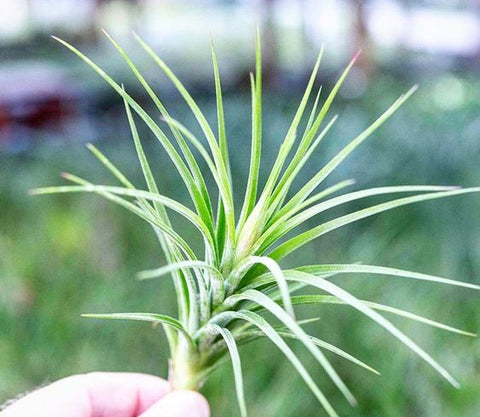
[222, 295]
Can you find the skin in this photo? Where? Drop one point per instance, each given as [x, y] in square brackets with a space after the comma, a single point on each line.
[102, 394]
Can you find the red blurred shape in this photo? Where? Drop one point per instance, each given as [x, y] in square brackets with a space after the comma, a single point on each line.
[34, 95]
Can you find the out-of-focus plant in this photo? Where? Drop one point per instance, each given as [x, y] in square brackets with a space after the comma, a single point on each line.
[223, 293]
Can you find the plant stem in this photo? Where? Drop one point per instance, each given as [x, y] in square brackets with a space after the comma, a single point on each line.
[184, 370]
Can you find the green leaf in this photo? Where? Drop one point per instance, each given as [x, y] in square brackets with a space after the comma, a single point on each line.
[110, 166]
[348, 298]
[264, 280]
[328, 299]
[256, 150]
[163, 111]
[307, 189]
[380, 270]
[303, 238]
[305, 148]
[207, 130]
[222, 183]
[168, 202]
[145, 166]
[237, 366]
[222, 136]
[181, 282]
[148, 317]
[185, 288]
[316, 197]
[186, 176]
[289, 139]
[276, 272]
[289, 221]
[154, 221]
[270, 332]
[264, 301]
[167, 269]
[320, 343]
[239, 330]
[171, 252]
[313, 113]
[295, 167]
[326, 106]
[195, 170]
[222, 139]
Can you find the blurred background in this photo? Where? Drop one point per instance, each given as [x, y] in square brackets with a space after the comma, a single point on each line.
[61, 256]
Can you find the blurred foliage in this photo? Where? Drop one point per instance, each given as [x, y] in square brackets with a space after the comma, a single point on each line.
[66, 255]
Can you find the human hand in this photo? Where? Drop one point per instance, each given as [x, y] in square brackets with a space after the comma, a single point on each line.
[102, 394]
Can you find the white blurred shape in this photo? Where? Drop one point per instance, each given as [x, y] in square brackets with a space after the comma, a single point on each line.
[355, 84]
[449, 92]
[73, 15]
[442, 31]
[387, 22]
[13, 18]
[288, 13]
[328, 22]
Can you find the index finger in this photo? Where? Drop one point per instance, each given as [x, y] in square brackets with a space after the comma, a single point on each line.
[97, 394]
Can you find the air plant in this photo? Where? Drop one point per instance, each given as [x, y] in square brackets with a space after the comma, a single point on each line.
[222, 296]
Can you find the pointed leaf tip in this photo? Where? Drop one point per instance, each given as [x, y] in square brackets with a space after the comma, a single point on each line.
[412, 90]
[356, 56]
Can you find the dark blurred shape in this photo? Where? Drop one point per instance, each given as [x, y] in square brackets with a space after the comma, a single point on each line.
[34, 95]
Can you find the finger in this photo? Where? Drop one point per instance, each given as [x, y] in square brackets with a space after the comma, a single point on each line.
[92, 395]
[180, 404]
[123, 394]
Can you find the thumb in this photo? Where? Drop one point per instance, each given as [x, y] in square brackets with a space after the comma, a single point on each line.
[180, 404]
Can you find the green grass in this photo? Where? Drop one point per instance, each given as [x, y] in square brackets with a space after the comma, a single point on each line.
[256, 279]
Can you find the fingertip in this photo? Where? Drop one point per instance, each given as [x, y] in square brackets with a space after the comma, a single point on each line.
[195, 400]
[181, 403]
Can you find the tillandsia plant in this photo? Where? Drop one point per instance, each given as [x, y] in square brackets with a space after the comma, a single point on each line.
[224, 293]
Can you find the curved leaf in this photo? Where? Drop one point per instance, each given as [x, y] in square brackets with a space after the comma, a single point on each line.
[270, 332]
[237, 366]
[320, 343]
[303, 238]
[367, 311]
[148, 317]
[381, 270]
[264, 301]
